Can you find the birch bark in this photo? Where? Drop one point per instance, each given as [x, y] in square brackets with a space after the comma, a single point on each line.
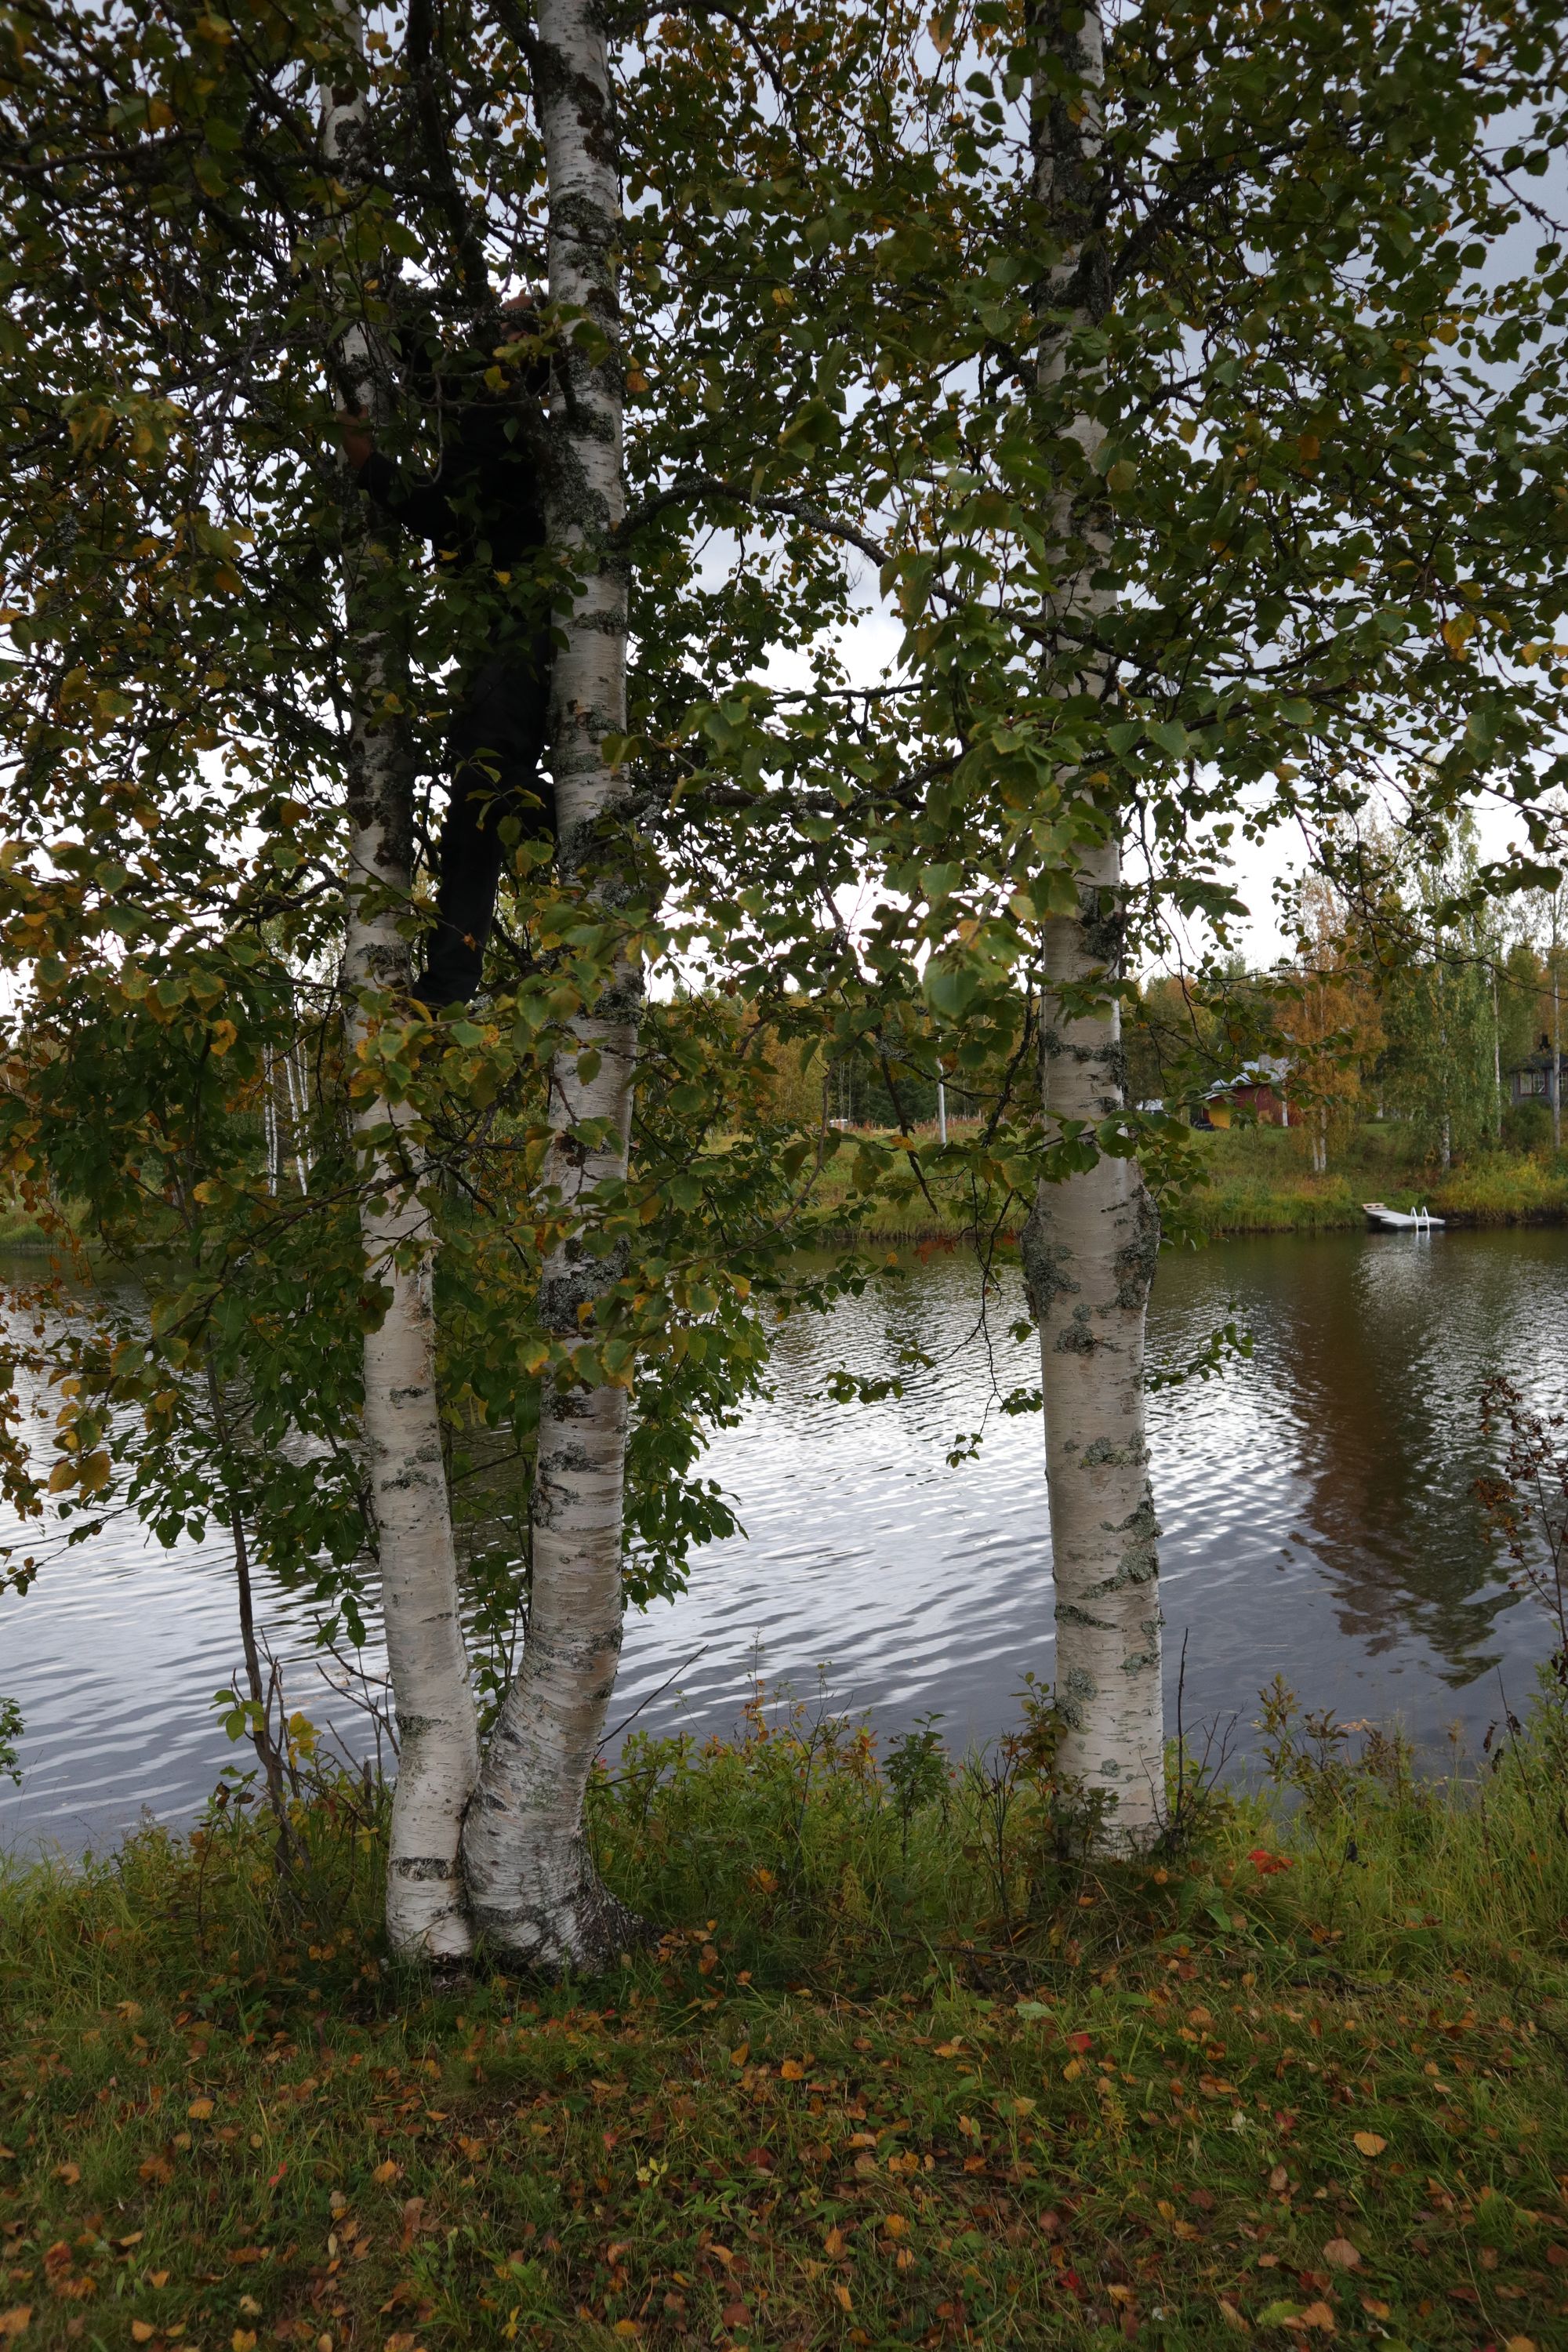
[437, 1729]
[534, 1893]
[1090, 1241]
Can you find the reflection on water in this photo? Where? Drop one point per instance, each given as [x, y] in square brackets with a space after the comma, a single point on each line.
[1315, 1505]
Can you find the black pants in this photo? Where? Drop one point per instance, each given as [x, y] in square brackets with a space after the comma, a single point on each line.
[495, 750]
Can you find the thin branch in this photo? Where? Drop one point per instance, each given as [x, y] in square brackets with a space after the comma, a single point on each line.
[709, 486]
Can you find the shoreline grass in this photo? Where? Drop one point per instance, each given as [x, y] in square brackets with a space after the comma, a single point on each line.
[1260, 1182]
[896, 2074]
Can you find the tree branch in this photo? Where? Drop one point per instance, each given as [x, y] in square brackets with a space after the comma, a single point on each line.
[709, 486]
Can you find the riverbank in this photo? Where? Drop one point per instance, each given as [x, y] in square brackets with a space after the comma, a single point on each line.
[880, 2084]
[1258, 1182]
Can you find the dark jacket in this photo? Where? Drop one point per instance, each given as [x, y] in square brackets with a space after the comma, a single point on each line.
[482, 504]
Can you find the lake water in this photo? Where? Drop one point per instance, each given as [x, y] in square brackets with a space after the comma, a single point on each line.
[1315, 1504]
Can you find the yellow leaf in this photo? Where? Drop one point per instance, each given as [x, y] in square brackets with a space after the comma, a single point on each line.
[199, 2110]
[1458, 632]
[244, 2339]
[387, 2171]
[1341, 2255]
[141, 2330]
[69, 2173]
[844, 2297]
[738, 2057]
[1232, 2317]
[159, 2278]
[12, 2322]
[223, 1034]
[1319, 2315]
[1369, 2144]
[792, 2071]
[1519, 2344]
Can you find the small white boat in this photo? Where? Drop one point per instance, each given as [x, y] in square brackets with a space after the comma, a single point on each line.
[1383, 1219]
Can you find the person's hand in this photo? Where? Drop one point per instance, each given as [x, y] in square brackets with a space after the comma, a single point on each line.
[357, 438]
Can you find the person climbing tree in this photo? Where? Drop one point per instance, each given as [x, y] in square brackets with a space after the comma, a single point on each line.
[481, 511]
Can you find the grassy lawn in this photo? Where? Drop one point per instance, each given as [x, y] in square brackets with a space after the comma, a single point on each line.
[888, 2080]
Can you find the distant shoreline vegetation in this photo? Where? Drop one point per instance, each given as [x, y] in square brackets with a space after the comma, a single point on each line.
[1260, 1182]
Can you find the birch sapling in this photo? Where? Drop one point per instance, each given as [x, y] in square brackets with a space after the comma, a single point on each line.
[426, 1657]
[1090, 1241]
[532, 1887]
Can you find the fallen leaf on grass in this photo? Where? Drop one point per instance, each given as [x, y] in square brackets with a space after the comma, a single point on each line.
[1341, 2255]
[12, 2322]
[1232, 2317]
[1319, 2315]
[158, 2169]
[387, 2171]
[69, 2173]
[199, 2110]
[792, 2071]
[844, 2297]
[1374, 2309]
[1278, 2180]
[159, 2278]
[1519, 2344]
[1370, 2144]
[141, 2330]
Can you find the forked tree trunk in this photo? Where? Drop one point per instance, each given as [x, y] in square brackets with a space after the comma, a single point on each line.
[437, 1731]
[533, 1886]
[1090, 1241]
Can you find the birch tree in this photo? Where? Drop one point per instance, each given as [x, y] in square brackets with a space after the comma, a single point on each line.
[426, 1917]
[531, 1884]
[1091, 1243]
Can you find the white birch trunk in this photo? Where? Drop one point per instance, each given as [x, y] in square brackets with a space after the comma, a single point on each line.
[1090, 1241]
[534, 1893]
[427, 1658]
